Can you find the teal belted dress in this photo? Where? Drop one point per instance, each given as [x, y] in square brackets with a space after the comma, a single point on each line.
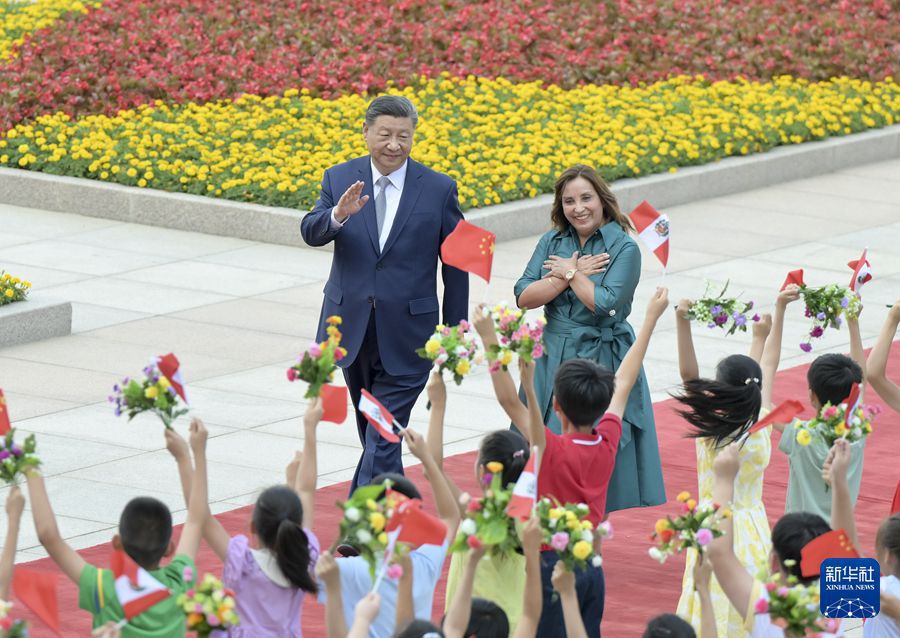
[604, 336]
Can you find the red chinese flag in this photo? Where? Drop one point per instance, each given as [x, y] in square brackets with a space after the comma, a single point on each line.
[784, 412]
[37, 591]
[416, 526]
[793, 277]
[895, 505]
[470, 248]
[334, 403]
[834, 544]
[653, 229]
[5, 424]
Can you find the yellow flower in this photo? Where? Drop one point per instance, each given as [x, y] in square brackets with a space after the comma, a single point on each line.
[661, 525]
[506, 357]
[432, 346]
[377, 520]
[371, 504]
[9, 293]
[332, 331]
[463, 367]
[570, 516]
[334, 320]
[691, 503]
[164, 383]
[683, 497]
[582, 550]
[555, 513]
[383, 538]
[840, 429]
[803, 437]
[586, 525]
[573, 525]
[494, 467]
[152, 392]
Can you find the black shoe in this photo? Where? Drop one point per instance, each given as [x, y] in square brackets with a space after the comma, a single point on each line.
[346, 550]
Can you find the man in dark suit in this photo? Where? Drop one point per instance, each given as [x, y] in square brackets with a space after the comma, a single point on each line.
[387, 216]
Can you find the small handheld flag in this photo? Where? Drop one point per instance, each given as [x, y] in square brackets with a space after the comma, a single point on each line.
[416, 526]
[793, 277]
[862, 272]
[470, 248]
[334, 403]
[170, 368]
[136, 589]
[852, 402]
[377, 415]
[37, 591]
[834, 544]
[653, 229]
[5, 423]
[524, 494]
[784, 412]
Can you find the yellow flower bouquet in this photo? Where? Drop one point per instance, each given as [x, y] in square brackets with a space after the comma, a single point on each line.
[453, 349]
[318, 364]
[566, 529]
[209, 606]
[154, 393]
[12, 288]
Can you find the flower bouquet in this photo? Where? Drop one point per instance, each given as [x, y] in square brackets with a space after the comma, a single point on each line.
[727, 313]
[824, 306]
[366, 513]
[832, 424]
[15, 460]
[452, 349]
[794, 607]
[516, 337]
[10, 628]
[154, 393]
[696, 527]
[209, 606]
[567, 531]
[12, 288]
[319, 363]
[486, 521]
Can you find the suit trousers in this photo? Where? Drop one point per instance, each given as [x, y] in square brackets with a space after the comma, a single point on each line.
[396, 393]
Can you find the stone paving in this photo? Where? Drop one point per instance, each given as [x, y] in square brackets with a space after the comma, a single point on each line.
[238, 312]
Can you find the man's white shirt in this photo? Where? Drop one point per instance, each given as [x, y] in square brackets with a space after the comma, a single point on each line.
[392, 194]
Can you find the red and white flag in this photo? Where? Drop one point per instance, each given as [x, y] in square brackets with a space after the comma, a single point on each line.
[524, 494]
[852, 402]
[5, 423]
[862, 272]
[170, 368]
[377, 415]
[136, 589]
[653, 229]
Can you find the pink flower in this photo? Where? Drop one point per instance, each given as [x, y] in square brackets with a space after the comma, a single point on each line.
[338, 354]
[559, 541]
[704, 536]
[473, 542]
[830, 412]
[395, 572]
[474, 505]
[315, 350]
[291, 374]
[771, 586]
[188, 574]
[464, 324]
[762, 606]
[783, 591]
[607, 528]
[212, 620]
[537, 352]
[806, 347]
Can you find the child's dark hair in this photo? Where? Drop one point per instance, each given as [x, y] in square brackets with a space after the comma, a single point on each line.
[583, 390]
[724, 408]
[145, 529]
[399, 483]
[669, 626]
[831, 376]
[791, 534]
[278, 522]
[507, 447]
[419, 629]
[487, 620]
[888, 539]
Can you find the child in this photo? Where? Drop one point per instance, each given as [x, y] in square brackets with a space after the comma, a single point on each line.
[792, 532]
[479, 618]
[876, 365]
[721, 411]
[576, 465]
[498, 578]
[830, 379]
[145, 533]
[427, 560]
[887, 546]
[669, 626]
[15, 505]
[269, 582]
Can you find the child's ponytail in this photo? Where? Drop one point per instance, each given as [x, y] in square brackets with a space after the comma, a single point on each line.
[278, 522]
[507, 447]
[723, 409]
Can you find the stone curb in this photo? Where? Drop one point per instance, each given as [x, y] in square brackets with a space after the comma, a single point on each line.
[36, 318]
[511, 220]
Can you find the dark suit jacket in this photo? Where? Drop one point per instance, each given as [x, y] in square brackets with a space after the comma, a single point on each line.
[400, 282]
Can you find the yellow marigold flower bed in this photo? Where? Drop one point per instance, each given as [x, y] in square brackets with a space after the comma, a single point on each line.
[12, 288]
[18, 18]
[501, 141]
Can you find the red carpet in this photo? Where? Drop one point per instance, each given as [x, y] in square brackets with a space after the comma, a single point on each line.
[637, 587]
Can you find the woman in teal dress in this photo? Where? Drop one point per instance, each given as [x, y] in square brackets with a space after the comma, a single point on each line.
[584, 273]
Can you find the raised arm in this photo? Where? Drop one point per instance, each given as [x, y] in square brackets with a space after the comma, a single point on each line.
[772, 351]
[180, 451]
[504, 387]
[631, 364]
[856, 347]
[328, 572]
[308, 472]
[363, 615]
[15, 504]
[48, 534]
[761, 330]
[446, 506]
[687, 358]
[533, 597]
[535, 432]
[198, 509]
[322, 224]
[564, 583]
[841, 502]
[460, 610]
[876, 366]
[406, 608]
[702, 573]
[437, 397]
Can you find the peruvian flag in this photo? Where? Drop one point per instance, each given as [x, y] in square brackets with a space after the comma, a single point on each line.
[5, 423]
[170, 368]
[653, 229]
[415, 526]
[784, 412]
[862, 272]
[136, 589]
[379, 417]
[853, 401]
[470, 248]
[524, 494]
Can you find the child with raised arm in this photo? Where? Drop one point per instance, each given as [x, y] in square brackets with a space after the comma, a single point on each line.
[145, 535]
[876, 365]
[578, 463]
[721, 411]
[15, 505]
[272, 576]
